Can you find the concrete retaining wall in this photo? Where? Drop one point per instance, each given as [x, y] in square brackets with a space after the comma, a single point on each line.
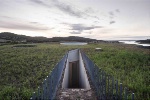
[75, 55]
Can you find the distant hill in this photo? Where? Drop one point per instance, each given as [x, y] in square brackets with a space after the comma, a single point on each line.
[7, 36]
[144, 41]
[20, 38]
[72, 38]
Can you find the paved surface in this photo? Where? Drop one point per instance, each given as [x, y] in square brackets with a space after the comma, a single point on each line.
[75, 94]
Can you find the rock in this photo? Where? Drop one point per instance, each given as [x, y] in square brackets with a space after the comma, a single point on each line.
[64, 92]
[98, 49]
[89, 93]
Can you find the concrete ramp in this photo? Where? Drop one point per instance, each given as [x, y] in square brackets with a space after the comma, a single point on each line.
[75, 75]
[75, 81]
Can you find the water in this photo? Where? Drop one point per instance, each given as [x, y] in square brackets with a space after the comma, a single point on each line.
[74, 43]
[134, 42]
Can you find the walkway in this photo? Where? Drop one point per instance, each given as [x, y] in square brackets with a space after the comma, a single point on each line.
[75, 94]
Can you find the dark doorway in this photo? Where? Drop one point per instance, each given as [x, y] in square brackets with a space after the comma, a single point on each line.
[74, 74]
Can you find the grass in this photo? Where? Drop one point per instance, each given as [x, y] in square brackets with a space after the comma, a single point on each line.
[25, 45]
[22, 70]
[129, 64]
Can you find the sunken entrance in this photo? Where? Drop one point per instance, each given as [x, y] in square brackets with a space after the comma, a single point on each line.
[75, 75]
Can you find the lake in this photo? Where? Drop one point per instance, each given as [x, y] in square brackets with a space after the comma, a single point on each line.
[74, 43]
[134, 42]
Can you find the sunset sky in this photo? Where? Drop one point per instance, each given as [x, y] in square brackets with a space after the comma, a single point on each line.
[97, 19]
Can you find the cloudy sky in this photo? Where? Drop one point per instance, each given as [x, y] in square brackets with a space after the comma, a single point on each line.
[98, 19]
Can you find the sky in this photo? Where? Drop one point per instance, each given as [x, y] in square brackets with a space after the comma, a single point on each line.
[96, 19]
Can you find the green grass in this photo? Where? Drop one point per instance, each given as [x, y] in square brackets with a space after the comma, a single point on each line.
[22, 70]
[130, 65]
[25, 45]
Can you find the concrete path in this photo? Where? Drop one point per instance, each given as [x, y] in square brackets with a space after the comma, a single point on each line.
[75, 94]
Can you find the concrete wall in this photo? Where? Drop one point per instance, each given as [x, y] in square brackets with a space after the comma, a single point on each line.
[83, 79]
[65, 82]
[75, 55]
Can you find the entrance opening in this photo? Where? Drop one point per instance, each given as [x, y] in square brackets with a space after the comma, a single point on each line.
[74, 74]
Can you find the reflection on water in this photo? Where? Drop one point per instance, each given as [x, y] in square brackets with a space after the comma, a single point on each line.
[134, 42]
[74, 43]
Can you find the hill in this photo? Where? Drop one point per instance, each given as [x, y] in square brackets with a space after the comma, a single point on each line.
[144, 41]
[72, 38]
[11, 37]
[7, 36]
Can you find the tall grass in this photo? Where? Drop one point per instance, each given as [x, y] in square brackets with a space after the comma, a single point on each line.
[22, 70]
[130, 65]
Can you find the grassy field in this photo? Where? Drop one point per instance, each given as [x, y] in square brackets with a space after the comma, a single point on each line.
[23, 68]
[128, 64]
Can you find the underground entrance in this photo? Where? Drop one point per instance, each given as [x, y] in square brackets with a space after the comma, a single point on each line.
[75, 76]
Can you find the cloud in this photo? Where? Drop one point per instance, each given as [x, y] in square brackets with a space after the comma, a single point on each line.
[15, 23]
[67, 8]
[96, 22]
[6, 17]
[39, 2]
[79, 28]
[73, 11]
[34, 22]
[105, 31]
[111, 13]
[112, 22]
[83, 27]
[73, 32]
[117, 10]
[89, 10]
[22, 26]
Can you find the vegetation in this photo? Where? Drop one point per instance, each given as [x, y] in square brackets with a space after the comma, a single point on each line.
[128, 64]
[25, 45]
[22, 70]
